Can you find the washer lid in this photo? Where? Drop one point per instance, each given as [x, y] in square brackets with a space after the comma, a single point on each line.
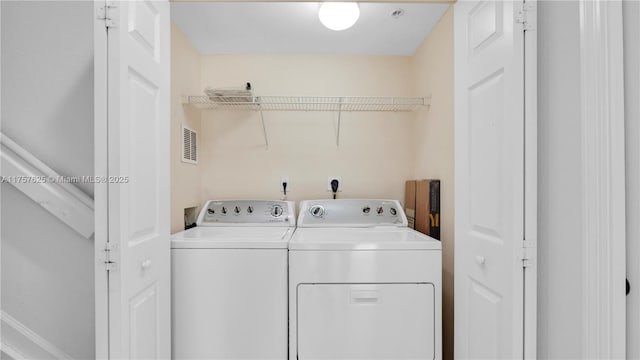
[232, 238]
[377, 238]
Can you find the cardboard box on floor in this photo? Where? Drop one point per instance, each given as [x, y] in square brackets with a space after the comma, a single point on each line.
[422, 206]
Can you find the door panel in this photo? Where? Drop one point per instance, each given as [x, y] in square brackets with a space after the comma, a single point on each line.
[484, 309]
[485, 25]
[135, 159]
[144, 316]
[489, 156]
[143, 26]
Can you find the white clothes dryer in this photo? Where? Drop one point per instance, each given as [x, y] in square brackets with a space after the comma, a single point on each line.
[362, 285]
[229, 282]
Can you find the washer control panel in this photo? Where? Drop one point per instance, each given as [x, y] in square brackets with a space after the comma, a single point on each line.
[351, 213]
[247, 213]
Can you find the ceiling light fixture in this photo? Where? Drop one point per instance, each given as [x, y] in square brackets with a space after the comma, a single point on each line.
[339, 15]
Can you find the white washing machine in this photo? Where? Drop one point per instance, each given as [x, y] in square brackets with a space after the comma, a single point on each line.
[229, 282]
[362, 285]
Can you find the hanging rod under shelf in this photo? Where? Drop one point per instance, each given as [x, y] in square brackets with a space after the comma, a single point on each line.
[309, 103]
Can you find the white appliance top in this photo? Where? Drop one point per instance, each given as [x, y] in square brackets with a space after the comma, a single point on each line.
[351, 213]
[362, 239]
[240, 224]
[232, 238]
[357, 224]
[247, 213]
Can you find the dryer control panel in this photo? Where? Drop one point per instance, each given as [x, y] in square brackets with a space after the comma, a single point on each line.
[247, 213]
[351, 213]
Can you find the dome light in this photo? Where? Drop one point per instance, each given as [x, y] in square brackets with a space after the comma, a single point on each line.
[338, 15]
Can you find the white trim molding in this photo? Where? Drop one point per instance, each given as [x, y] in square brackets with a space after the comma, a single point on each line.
[22, 343]
[603, 179]
[46, 187]
[531, 180]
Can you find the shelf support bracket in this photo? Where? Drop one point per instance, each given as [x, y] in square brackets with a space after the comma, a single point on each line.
[264, 130]
[338, 129]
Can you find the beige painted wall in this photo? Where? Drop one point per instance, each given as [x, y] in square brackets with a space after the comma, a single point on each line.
[185, 79]
[374, 157]
[432, 69]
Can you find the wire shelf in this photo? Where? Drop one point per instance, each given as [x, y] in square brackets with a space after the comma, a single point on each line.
[308, 103]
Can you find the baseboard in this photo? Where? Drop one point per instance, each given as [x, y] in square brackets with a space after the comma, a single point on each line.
[22, 343]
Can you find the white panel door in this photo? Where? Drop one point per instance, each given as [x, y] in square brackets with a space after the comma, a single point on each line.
[490, 180]
[132, 150]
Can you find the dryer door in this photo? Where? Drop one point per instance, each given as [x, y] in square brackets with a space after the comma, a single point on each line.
[366, 321]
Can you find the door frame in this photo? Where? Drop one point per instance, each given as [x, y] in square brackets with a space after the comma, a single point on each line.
[631, 11]
[603, 179]
[101, 209]
[530, 303]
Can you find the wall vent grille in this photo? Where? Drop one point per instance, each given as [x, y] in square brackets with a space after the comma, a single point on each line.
[189, 146]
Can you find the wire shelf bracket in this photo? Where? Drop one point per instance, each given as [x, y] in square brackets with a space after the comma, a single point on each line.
[264, 131]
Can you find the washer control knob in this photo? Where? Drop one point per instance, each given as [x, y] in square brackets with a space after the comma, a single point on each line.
[210, 211]
[276, 210]
[224, 210]
[366, 209]
[236, 210]
[250, 209]
[393, 211]
[380, 210]
[317, 210]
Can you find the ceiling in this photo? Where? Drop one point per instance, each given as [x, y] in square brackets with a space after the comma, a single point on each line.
[293, 27]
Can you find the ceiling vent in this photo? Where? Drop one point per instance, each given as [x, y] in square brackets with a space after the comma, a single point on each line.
[189, 145]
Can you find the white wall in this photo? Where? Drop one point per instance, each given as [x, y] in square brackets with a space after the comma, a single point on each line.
[559, 182]
[48, 82]
[47, 98]
[375, 155]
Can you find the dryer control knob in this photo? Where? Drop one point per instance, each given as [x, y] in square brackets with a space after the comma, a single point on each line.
[236, 210]
[317, 210]
[224, 210]
[250, 209]
[380, 210]
[276, 210]
[393, 211]
[210, 211]
[366, 209]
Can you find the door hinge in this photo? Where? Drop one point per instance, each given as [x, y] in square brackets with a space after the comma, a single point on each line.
[527, 16]
[107, 14]
[109, 257]
[526, 254]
